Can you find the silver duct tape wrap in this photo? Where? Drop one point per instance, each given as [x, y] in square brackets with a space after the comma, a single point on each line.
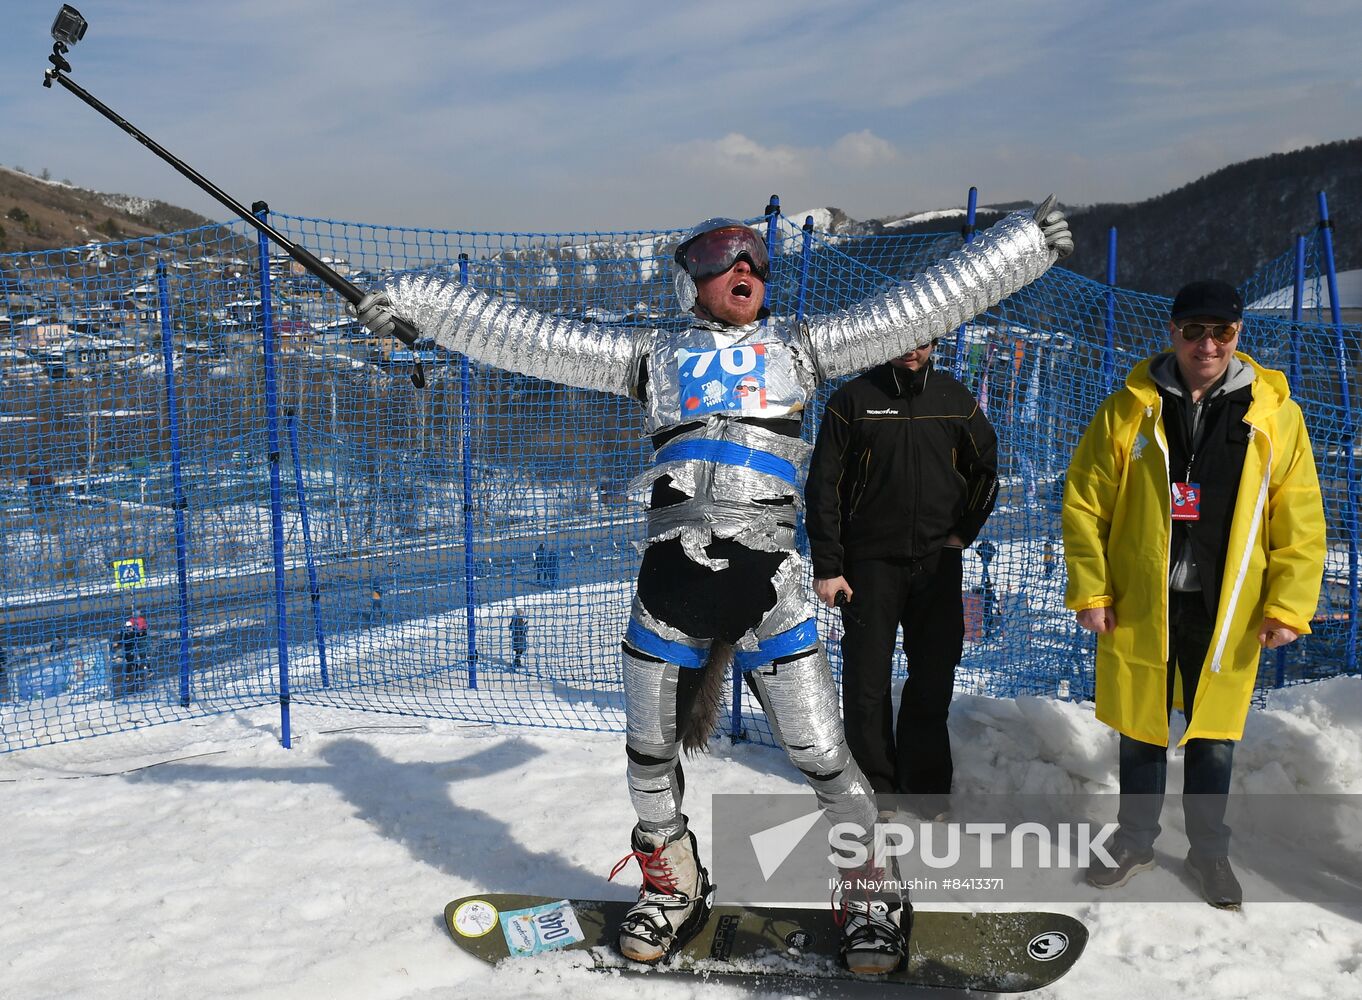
[490, 329]
[737, 515]
[792, 598]
[698, 478]
[999, 261]
[651, 731]
[801, 705]
[658, 627]
[693, 540]
[768, 530]
[650, 693]
[736, 484]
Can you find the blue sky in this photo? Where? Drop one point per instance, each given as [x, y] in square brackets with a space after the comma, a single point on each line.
[597, 114]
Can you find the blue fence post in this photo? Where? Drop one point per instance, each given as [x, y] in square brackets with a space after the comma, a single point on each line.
[1297, 310]
[967, 231]
[805, 253]
[805, 249]
[772, 214]
[1293, 377]
[1109, 350]
[261, 210]
[1326, 232]
[313, 589]
[466, 411]
[181, 536]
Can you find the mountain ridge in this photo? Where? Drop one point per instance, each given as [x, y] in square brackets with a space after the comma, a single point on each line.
[38, 213]
[1226, 224]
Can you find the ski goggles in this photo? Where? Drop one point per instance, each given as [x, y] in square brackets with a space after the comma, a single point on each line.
[1222, 333]
[715, 252]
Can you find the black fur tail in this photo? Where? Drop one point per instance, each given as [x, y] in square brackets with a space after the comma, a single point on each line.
[704, 712]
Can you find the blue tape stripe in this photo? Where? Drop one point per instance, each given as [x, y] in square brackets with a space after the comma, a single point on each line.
[802, 636]
[729, 453]
[647, 641]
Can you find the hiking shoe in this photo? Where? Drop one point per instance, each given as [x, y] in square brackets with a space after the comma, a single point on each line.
[1215, 878]
[1128, 864]
[674, 900]
[876, 919]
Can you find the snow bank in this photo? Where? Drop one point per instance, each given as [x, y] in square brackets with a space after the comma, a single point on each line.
[202, 859]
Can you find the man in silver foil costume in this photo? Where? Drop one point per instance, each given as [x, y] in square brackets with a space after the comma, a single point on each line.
[721, 582]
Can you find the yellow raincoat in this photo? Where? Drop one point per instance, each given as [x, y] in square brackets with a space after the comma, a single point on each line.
[1117, 530]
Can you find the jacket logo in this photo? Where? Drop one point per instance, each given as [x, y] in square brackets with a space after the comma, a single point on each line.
[1138, 450]
[881, 413]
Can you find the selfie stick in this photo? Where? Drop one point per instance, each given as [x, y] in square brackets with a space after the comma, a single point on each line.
[68, 28]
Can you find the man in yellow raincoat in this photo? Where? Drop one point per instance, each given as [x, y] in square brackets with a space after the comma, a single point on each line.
[1194, 538]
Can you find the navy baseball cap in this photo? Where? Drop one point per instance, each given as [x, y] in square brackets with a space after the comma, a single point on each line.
[1217, 299]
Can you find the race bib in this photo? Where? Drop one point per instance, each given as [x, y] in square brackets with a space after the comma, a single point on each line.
[729, 378]
[540, 928]
[1186, 502]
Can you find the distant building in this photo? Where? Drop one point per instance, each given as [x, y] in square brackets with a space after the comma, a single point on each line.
[145, 301]
[243, 312]
[1316, 297]
[40, 334]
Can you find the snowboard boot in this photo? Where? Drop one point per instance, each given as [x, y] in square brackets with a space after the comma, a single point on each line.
[674, 900]
[876, 919]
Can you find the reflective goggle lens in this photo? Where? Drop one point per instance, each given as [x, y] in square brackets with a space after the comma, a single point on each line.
[714, 253]
[1222, 332]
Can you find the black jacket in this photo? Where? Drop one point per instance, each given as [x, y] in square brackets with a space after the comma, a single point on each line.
[1207, 443]
[903, 459]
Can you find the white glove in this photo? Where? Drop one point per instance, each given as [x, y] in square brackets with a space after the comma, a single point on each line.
[1055, 227]
[375, 313]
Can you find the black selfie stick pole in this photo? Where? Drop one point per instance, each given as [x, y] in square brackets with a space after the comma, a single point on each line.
[351, 292]
[348, 290]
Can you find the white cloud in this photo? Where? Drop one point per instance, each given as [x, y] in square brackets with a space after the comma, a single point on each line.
[863, 149]
[600, 113]
[739, 153]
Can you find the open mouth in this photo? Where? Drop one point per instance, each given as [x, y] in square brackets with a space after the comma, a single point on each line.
[742, 290]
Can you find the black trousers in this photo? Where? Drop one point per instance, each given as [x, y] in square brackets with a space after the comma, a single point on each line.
[924, 597]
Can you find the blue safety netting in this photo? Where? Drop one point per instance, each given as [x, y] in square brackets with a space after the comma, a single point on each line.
[217, 491]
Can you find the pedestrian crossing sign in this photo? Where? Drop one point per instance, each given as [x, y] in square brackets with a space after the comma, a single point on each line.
[129, 573]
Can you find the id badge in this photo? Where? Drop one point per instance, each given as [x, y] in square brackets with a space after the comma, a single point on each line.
[1186, 502]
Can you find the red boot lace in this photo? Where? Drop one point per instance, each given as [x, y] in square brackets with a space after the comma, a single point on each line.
[839, 910]
[867, 872]
[657, 871]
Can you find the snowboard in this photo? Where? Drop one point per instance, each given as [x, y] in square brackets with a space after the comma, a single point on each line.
[995, 952]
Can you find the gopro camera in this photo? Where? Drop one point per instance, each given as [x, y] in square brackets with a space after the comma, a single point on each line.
[69, 27]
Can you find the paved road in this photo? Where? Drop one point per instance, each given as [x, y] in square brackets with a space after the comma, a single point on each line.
[231, 616]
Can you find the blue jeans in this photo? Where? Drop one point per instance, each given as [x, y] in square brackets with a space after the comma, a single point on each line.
[1207, 763]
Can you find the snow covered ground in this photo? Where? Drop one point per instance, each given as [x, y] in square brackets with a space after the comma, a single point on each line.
[200, 859]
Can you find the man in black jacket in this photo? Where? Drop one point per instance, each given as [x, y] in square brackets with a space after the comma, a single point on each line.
[903, 476]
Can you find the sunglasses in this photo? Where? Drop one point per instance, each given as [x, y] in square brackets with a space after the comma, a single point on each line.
[1223, 333]
[716, 252]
